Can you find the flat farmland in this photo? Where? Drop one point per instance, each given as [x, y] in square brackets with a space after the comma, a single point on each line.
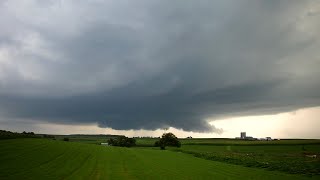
[52, 159]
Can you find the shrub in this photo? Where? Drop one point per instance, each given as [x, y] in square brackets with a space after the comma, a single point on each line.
[122, 141]
[65, 139]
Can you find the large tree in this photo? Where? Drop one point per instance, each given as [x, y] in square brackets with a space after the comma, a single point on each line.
[168, 139]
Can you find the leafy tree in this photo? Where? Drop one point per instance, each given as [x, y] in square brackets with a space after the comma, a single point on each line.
[168, 139]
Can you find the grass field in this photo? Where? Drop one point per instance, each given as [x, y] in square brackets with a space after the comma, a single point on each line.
[49, 159]
[288, 155]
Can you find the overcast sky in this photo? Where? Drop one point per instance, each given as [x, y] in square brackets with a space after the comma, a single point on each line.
[145, 65]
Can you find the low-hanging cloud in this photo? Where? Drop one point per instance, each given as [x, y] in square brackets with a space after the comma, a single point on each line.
[149, 65]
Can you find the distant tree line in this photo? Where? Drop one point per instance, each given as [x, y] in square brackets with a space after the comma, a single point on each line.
[94, 135]
[146, 137]
[122, 141]
[13, 135]
[28, 133]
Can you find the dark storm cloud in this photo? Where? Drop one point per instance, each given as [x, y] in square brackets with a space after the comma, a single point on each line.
[151, 64]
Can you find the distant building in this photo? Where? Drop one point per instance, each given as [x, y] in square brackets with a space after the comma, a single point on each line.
[243, 135]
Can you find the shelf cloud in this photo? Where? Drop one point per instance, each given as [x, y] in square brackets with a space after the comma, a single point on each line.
[156, 64]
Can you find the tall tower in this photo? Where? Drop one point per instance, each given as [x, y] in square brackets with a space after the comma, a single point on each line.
[243, 135]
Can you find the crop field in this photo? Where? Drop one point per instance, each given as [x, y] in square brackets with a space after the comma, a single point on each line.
[290, 156]
[53, 159]
[295, 159]
[286, 155]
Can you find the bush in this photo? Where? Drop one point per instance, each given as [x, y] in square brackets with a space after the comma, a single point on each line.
[122, 141]
[65, 139]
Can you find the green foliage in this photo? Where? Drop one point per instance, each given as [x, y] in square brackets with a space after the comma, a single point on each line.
[122, 141]
[167, 139]
[47, 159]
[65, 139]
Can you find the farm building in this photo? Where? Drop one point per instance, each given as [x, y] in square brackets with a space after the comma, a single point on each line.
[243, 135]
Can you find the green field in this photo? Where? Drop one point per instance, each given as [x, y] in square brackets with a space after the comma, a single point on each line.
[287, 158]
[290, 156]
[53, 159]
[287, 155]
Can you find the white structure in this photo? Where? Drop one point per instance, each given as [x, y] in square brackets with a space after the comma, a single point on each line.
[104, 144]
